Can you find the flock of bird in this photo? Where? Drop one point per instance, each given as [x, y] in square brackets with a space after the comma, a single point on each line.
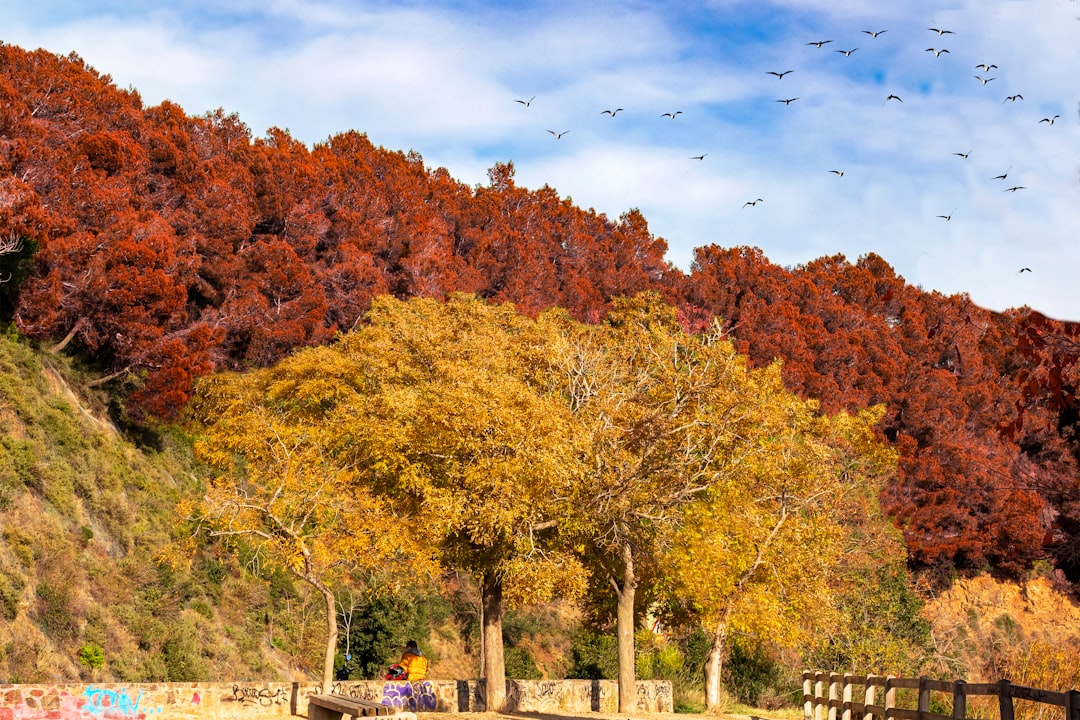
[984, 76]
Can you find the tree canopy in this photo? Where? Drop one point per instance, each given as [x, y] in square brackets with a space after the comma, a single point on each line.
[161, 247]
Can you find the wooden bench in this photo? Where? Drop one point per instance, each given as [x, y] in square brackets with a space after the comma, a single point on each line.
[334, 707]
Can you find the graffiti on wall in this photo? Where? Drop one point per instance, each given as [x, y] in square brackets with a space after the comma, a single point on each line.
[415, 696]
[259, 696]
[105, 703]
[539, 696]
[94, 704]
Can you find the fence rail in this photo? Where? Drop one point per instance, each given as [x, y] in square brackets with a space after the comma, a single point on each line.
[830, 696]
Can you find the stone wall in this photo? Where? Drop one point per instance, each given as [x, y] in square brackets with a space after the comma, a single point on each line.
[236, 701]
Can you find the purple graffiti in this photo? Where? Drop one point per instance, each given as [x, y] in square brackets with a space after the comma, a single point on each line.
[413, 696]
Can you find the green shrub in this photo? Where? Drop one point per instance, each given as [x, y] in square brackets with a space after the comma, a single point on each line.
[517, 625]
[593, 656]
[54, 612]
[180, 653]
[520, 664]
[750, 671]
[664, 662]
[380, 628]
[203, 608]
[20, 466]
[11, 587]
[92, 655]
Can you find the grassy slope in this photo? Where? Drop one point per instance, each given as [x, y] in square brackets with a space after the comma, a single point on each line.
[85, 518]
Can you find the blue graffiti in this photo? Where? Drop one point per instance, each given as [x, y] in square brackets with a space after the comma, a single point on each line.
[111, 703]
[413, 696]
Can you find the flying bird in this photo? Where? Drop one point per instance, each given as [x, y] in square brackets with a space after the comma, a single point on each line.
[779, 75]
[937, 53]
[558, 136]
[840, 173]
[847, 53]
[963, 155]
[942, 32]
[873, 34]
[893, 97]
[1003, 175]
[1014, 188]
[610, 112]
[984, 80]
[528, 102]
[1050, 119]
[819, 43]
[1023, 270]
[985, 67]
[946, 218]
[699, 157]
[1013, 98]
[672, 115]
[752, 202]
[788, 101]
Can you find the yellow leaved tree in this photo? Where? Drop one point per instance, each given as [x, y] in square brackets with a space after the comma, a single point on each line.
[761, 553]
[658, 410]
[442, 413]
[463, 417]
[283, 483]
[700, 473]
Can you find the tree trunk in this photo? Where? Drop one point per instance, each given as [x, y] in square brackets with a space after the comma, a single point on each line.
[494, 665]
[713, 667]
[331, 636]
[625, 634]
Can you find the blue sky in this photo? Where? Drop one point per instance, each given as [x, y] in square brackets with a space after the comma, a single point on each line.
[443, 79]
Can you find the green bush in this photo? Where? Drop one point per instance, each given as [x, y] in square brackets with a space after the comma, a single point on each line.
[663, 662]
[54, 612]
[203, 608]
[20, 466]
[92, 655]
[180, 654]
[593, 656]
[11, 587]
[380, 628]
[750, 671]
[520, 664]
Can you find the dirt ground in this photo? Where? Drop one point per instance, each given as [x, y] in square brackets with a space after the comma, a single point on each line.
[580, 716]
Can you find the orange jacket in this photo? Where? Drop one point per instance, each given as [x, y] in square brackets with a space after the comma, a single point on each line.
[415, 666]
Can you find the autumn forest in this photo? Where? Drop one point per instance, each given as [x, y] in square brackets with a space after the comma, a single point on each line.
[165, 249]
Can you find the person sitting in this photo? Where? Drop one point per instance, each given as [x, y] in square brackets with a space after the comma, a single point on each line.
[414, 662]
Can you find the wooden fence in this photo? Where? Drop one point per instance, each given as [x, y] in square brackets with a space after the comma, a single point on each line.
[830, 696]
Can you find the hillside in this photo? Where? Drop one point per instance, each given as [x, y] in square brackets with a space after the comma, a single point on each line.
[985, 630]
[87, 520]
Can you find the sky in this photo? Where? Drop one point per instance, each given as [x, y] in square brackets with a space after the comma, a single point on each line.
[469, 84]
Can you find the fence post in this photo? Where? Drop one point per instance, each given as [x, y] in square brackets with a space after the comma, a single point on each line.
[1072, 712]
[868, 700]
[1005, 700]
[959, 704]
[834, 694]
[890, 696]
[924, 696]
[845, 695]
[808, 698]
[819, 694]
